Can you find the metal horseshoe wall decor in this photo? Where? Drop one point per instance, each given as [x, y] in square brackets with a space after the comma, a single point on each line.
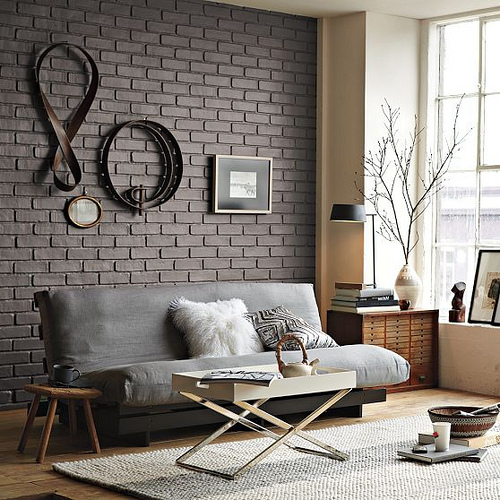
[136, 196]
[64, 137]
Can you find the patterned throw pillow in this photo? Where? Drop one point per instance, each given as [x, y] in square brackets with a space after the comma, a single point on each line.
[272, 324]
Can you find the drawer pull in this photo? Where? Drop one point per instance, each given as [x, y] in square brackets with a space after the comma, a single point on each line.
[422, 378]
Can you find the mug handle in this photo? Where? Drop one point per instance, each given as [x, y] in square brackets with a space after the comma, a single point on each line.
[78, 376]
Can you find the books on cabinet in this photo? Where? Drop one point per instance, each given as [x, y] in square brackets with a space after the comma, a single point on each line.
[355, 297]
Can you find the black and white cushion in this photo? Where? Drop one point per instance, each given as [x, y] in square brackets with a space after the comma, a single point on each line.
[272, 324]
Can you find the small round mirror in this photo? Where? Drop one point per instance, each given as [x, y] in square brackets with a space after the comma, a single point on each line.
[84, 211]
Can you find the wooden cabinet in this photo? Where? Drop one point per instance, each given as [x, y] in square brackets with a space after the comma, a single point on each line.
[413, 334]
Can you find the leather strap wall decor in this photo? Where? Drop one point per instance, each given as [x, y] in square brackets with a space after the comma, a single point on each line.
[64, 137]
[136, 197]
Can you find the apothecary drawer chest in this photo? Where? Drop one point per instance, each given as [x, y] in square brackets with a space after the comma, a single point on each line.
[413, 334]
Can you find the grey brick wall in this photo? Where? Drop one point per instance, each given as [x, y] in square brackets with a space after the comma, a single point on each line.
[223, 80]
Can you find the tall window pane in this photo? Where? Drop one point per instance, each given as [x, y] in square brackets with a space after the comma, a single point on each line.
[489, 211]
[491, 151]
[456, 214]
[459, 58]
[466, 128]
[492, 56]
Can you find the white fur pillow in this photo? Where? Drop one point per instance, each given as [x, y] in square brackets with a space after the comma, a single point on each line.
[215, 329]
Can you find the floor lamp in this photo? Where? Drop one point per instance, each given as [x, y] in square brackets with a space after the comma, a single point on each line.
[355, 213]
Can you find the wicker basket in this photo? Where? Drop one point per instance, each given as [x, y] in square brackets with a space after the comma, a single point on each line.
[463, 426]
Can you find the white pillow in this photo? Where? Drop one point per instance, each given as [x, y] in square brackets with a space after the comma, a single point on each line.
[215, 329]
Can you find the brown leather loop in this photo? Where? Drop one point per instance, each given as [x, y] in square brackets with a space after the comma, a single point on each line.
[64, 137]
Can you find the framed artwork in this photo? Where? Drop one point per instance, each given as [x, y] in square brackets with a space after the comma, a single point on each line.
[84, 211]
[242, 184]
[496, 314]
[486, 287]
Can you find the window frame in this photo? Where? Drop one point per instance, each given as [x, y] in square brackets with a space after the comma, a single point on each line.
[430, 98]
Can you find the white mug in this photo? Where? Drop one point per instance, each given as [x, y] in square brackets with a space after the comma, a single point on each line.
[442, 435]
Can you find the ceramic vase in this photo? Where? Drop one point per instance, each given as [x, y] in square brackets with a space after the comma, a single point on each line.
[408, 285]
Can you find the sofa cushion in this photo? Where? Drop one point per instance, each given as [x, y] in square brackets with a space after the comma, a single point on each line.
[99, 327]
[272, 324]
[215, 328]
[147, 384]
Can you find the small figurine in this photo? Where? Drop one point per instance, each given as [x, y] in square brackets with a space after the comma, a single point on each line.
[457, 313]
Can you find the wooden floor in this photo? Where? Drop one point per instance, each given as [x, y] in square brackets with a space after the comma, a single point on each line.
[21, 476]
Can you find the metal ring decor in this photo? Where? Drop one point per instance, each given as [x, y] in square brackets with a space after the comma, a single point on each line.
[64, 137]
[135, 197]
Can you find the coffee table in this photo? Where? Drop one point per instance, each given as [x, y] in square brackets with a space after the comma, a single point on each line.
[327, 380]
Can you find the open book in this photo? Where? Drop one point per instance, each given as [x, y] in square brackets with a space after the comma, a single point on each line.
[240, 377]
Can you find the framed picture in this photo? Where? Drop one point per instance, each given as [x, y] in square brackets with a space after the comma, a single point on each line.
[242, 184]
[486, 287]
[496, 314]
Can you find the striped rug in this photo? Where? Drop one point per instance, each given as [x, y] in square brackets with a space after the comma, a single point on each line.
[374, 471]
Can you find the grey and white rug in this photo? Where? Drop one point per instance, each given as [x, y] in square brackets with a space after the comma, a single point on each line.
[373, 471]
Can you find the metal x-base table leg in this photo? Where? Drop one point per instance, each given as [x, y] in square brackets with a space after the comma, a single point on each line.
[291, 430]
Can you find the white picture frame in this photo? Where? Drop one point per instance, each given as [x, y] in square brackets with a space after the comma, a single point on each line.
[242, 184]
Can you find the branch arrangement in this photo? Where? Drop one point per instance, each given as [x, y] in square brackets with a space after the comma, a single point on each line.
[391, 168]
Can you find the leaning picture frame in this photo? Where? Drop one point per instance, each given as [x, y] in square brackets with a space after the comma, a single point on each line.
[496, 314]
[242, 184]
[486, 287]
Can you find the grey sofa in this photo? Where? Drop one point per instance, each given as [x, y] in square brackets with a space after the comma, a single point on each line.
[125, 345]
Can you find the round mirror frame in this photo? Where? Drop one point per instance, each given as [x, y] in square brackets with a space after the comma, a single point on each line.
[71, 203]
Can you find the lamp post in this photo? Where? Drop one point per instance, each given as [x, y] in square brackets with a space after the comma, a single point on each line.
[355, 213]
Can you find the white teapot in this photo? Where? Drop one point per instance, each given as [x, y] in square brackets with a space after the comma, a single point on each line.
[298, 369]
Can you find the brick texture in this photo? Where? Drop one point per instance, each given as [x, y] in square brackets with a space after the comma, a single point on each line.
[222, 79]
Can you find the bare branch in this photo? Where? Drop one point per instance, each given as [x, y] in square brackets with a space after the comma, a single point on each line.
[391, 169]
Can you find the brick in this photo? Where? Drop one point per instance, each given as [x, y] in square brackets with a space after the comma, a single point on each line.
[27, 344]
[159, 265]
[145, 277]
[7, 358]
[256, 274]
[13, 383]
[114, 278]
[209, 252]
[113, 253]
[202, 276]
[230, 252]
[230, 275]
[174, 277]
[28, 370]
[11, 332]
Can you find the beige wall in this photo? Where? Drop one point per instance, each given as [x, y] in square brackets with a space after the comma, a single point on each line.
[468, 358]
[364, 58]
[340, 149]
[392, 74]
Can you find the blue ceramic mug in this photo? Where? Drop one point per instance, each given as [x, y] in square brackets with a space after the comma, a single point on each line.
[65, 374]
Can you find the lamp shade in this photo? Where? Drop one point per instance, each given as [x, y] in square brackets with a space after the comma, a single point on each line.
[348, 213]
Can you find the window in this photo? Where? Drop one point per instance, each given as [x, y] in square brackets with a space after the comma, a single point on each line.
[467, 209]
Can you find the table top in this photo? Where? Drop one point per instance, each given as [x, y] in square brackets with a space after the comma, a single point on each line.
[63, 392]
[326, 380]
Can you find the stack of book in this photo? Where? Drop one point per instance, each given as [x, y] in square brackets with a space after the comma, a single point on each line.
[359, 298]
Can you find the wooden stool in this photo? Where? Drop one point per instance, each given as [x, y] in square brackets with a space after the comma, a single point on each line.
[55, 393]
